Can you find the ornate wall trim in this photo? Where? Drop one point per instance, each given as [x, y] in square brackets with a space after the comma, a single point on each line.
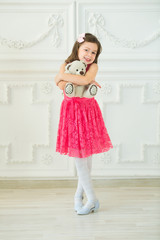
[7, 100]
[144, 146]
[97, 22]
[54, 22]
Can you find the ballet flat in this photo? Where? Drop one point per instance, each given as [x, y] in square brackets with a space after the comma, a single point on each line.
[85, 210]
[78, 204]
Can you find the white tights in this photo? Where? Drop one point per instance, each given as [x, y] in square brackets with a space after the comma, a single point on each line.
[83, 166]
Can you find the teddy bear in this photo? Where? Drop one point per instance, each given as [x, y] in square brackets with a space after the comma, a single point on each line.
[79, 68]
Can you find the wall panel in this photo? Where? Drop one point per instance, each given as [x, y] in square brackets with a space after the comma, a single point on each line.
[35, 38]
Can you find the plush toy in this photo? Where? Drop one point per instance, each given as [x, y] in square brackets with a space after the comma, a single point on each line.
[79, 68]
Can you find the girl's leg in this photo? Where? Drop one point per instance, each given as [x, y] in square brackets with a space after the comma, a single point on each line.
[79, 192]
[89, 163]
[85, 180]
[78, 198]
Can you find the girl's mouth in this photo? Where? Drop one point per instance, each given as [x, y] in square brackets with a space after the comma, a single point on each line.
[87, 59]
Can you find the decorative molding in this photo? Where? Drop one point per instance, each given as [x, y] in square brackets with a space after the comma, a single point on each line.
[132, 85]
[106, 158]
[156, 158]
[156, 87]
[153, 153]
[116, 147]
[97, 22]
[143, 100]
[8, 157]
[106, 88]
[55, 21]
[47, 88]
[47, 159]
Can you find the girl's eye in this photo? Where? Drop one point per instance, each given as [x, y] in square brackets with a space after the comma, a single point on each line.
[94, 53]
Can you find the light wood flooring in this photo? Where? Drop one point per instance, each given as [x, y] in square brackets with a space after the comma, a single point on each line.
[128, 213]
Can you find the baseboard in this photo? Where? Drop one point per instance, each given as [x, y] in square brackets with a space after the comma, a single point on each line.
[27, 184]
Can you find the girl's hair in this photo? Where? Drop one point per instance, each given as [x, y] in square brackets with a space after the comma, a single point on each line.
[88, 38]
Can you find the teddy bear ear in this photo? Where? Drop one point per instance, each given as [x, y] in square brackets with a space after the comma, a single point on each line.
[85, 64]
[68, 66]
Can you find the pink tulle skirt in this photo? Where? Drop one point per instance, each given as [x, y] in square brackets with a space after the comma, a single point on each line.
[81, 130]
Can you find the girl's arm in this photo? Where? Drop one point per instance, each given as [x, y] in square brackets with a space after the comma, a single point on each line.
[59, 82]
[62, 84]
[77, 79]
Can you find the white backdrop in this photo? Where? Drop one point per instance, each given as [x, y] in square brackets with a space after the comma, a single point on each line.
[35, 38]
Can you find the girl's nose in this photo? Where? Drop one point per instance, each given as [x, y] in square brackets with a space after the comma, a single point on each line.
[89, 53]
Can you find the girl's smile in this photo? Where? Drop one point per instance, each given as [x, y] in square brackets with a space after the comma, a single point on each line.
[87, 52]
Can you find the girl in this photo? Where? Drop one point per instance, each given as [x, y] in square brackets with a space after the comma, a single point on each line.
[81, 131]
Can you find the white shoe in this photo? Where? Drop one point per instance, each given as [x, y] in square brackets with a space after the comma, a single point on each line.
[86, 210]
[78, 203]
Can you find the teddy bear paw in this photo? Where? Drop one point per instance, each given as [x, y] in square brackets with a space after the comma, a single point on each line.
[93, 90]
[69, 90]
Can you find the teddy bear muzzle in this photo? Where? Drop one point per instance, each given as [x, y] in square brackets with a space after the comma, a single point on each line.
[81, 72]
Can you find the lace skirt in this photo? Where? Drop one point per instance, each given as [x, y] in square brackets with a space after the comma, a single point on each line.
[81, 129]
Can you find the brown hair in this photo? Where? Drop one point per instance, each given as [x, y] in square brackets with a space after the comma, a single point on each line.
[88, 38]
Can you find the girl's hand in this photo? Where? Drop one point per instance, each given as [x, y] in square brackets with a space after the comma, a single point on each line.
[96, 83]
[62, 85]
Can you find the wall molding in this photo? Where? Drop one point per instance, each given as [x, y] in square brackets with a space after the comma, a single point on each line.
[7, 100]
[144, 147]
[97, 22]
[39, 36]
[57, 183]
[55, 21]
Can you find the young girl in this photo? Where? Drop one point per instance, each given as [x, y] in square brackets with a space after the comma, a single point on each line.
[81, 131]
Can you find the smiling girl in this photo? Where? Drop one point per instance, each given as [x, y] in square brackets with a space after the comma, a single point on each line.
[81, 130]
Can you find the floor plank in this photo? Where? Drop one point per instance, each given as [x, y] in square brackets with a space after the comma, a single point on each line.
[43, 214]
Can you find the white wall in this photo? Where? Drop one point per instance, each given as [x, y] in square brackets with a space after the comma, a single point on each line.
[36, 37]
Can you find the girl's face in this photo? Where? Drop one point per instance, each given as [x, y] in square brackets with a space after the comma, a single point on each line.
[87, 52]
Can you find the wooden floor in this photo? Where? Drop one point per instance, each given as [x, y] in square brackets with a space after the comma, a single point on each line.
[131, 213]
